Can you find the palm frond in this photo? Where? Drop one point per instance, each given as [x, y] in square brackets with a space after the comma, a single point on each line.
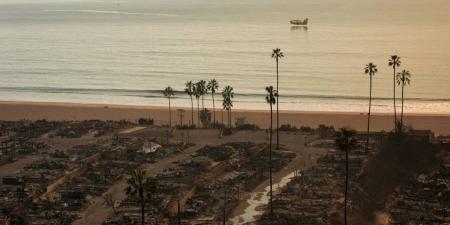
[345, 139]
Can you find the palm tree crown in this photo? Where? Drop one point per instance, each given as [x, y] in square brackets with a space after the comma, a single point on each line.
[201, 90]
[394, 61]
[189, 88]
[136, 182]
[345, 139]
[271, 94]
[168, 92]
[404, 78]
[228, 95]
[277, 54]
[371, 69]
[212, 86]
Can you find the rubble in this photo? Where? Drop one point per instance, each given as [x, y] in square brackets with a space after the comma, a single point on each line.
[424, 200]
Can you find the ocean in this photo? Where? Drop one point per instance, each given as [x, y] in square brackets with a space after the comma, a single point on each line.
[127, 51]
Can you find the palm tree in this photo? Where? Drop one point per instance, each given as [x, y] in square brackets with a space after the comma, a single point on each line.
[277, 54]
[136, 187]
[168, 92]
[197, 94]
[201, 87]
[345, 141]
[228, 95]
[370, 69]
[403, 78]
[212, 86]
[190, 91]
[270, 99]
[394, 62]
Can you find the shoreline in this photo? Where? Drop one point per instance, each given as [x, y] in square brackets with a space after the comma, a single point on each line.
[18, 110]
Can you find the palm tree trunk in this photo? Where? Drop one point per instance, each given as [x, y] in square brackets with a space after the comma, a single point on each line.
[141, 196]
[229, 118]
[198, 113]
[214, 110]
[346, 186]
[224, 206]
[192, 112]
[203, 103]
[270, 161]
[395, 106]
[401, 117]
[178, 212]
[170, 114]
[278, 116]
[368, 117]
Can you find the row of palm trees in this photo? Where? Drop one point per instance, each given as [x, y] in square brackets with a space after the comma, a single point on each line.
[199, 90]
[402, 79]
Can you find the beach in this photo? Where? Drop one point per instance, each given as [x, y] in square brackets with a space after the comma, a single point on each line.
[438, 123]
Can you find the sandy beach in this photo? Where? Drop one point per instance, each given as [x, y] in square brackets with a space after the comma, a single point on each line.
[439, 123]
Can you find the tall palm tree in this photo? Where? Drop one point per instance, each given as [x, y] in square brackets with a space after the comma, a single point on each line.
[403, 78]
[394, 62]
[197, 93]
[228, 95]
[202, 90]
[370, 69]
[270, 99]
[168, 92]
[190, 91]
[345, 141]
[213, 86]
[136, 187]
[277, 54]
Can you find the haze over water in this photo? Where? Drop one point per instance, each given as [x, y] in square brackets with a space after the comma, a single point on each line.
[124, 52]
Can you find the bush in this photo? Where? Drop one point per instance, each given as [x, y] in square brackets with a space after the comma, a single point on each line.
[326, 131]
[186, 127]
[144, 121]
[227, 131]
[248, 127]
[287, 127]
[219, 126]
[205, 117]
[242, 124]
[306, 129]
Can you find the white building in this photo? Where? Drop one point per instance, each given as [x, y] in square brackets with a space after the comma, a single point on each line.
[150, 147]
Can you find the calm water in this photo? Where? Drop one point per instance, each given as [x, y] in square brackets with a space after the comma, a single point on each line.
[124, 52]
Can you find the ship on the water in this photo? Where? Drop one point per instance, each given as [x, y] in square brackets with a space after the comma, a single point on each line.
[299, 22]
